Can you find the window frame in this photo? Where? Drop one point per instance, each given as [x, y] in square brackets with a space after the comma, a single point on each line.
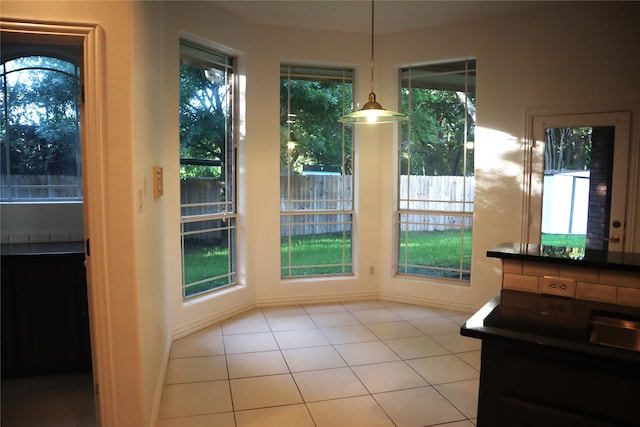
[440, 74]
[71, 54]
[224, 216]
[293, 212]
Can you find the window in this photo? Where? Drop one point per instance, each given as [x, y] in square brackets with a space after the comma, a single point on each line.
[207, 170]
[40, 124]
[435, 181]
[316, 179]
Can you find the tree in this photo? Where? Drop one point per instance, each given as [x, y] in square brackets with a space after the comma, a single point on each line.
[203, 118]
[309, 112]
[567, 149]
[41, 116]
[437, 139]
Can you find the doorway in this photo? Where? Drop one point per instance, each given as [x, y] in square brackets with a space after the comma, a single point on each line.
[578, 192]
[46, 358]
[89, 39]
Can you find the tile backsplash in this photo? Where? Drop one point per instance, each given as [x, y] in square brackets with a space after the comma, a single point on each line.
[593, 284]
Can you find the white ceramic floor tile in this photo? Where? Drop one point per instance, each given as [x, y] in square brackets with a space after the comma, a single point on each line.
[210, 330]
[328, 320]
[348, 334]
[179, 400]
[280, 416]
[298, 339]
[415, 347]
[435, 325]
[280, 357]
[251, 323]
[361, 411]
[192, 369]
[388, 330]
[418, 407]
[456, 343]
[443, 369]
[472, 358]
[263, 392]
[463, 394]
[225, 419]
[291, 323]
[388, 376]
[328, 384]
[409, 312]
[364, 353]
[324, 308]
[363, 305]
[312, 358]
[465, 423]
[256, 364]
[55, 400]
[460, 319]
[197, 345]
[451, 312]
[279, 311]
[246, 343]
[378, 315]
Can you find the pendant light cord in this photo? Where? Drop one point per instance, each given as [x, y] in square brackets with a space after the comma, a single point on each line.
[372, 20]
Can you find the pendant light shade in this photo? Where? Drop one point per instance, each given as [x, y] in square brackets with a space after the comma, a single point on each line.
[372, 111]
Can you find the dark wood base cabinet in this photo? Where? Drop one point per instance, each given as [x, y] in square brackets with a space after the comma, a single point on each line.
[530, 385]
[45, 325]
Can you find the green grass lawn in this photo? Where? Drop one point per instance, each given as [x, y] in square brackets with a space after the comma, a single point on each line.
[323, 254]
[565, 240]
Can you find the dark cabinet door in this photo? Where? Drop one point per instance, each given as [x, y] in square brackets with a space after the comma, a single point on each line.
[44, 306]
[518, 413]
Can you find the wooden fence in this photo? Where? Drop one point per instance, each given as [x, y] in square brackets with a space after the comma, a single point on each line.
[313, 193]
[301, 193]
[38, 187]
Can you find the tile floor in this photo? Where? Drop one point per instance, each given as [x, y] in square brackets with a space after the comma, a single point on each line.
[48, 401]
[372, 363]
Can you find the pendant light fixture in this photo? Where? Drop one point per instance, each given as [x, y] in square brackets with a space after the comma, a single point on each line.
[372, 111]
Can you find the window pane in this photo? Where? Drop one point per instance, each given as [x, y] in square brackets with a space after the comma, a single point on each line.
[207, 170]
[316, 163]
[316, 244]
[206, 153]
[40, 146]
[208, 255]
[435, 245]
[436, 182]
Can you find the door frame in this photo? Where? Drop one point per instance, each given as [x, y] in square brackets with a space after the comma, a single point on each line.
[626, 154]
[91, 38]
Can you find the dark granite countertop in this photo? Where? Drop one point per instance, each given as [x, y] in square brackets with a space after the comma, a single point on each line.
[567, 256]
[53, 248]
[546, 320]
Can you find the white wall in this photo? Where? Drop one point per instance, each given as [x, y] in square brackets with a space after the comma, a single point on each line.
[536, 61]
[41, 222]
[126, 389]
[524, 63]
[582, 56]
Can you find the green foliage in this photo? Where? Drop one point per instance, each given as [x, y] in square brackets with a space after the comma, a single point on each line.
[309, 112]
[567, 149]
[41, 116]
[434, 143]
[204, 115]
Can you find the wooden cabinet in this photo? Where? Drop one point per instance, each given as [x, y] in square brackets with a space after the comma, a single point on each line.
[45, 326]
[530, 385]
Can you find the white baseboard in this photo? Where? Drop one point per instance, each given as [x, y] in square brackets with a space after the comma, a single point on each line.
[157, 396]
[210, 320]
